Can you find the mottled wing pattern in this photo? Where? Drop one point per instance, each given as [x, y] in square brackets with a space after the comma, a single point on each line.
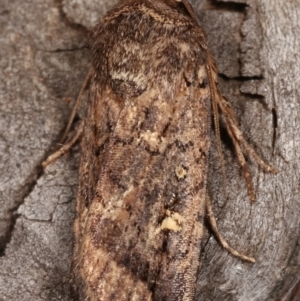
[143, 175]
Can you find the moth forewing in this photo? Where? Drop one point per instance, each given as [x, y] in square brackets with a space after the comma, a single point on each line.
[145, 145]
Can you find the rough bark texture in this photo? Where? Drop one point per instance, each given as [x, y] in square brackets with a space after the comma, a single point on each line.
[43, 60]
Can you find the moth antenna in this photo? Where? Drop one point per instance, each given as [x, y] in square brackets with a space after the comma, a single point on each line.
[242, 162]
[251, 152]
[76, 105]
[220, 238]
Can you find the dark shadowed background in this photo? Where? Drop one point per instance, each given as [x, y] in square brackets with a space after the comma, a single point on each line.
[43, 60]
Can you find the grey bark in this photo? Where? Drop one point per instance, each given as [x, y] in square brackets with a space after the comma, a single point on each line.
[44, 59]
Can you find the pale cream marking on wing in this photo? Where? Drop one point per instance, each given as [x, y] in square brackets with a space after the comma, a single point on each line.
[177, 217]
[180, 172]
[128, 191]
[140, 79]
[184, 47]
[202, 74]
[173, 222]
[170, 224]
[155, 142]
[132, 111]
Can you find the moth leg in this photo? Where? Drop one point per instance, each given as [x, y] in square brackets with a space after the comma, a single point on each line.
[214, 92]
[237, 135]
[61, 151]
[250, 151]
[239, 142]
[242, 162]
[220, 238]
[76, 105]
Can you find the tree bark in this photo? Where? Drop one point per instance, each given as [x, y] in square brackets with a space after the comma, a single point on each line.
[44, 59]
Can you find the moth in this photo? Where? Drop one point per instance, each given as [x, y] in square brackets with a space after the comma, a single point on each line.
[145, 144]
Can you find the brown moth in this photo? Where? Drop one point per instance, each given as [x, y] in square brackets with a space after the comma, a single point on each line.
[145, 144]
